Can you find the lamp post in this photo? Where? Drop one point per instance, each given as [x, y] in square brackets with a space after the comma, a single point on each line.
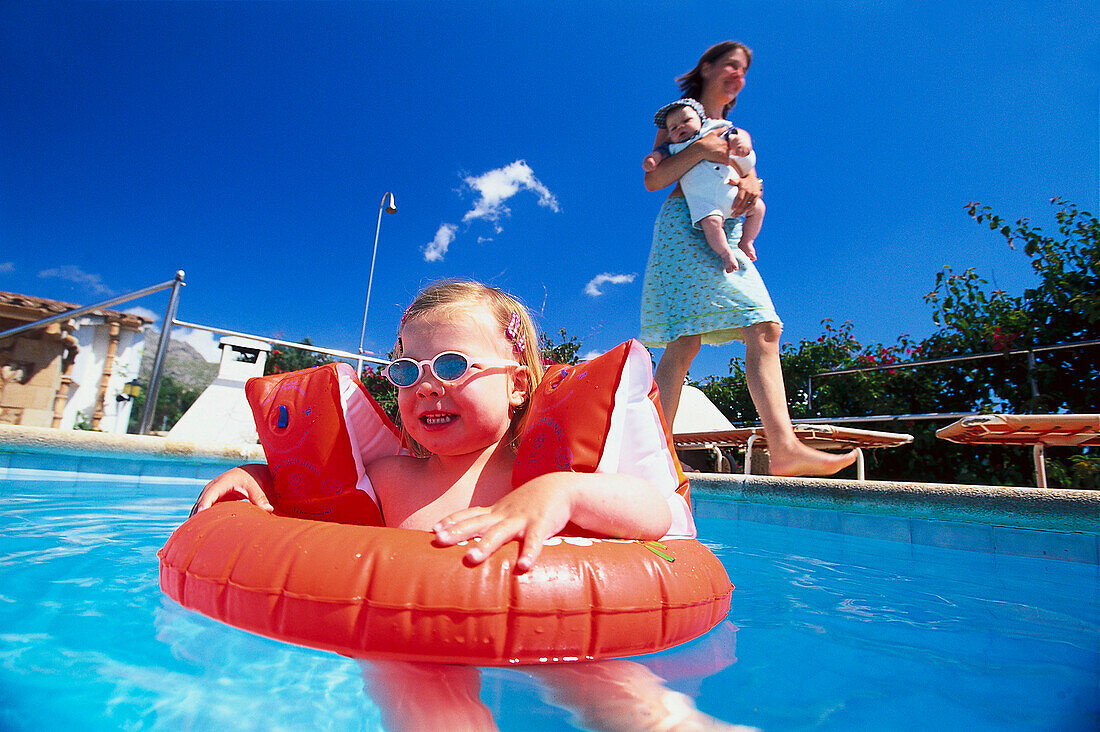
[388, 206]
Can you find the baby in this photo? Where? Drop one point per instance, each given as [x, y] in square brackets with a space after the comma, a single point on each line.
[706, 186]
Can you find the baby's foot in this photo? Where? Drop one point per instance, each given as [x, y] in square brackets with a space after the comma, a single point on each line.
[748, 249]
[804, 460]
[729, 262]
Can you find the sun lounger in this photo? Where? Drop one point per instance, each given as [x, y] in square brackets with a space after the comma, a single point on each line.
[1037, 430]
[820, 436]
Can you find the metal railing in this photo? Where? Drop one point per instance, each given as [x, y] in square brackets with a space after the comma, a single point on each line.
[168, 323]
[289, 344]
[883, 418]
[176, 283]
[1030, 352]
[77, 312]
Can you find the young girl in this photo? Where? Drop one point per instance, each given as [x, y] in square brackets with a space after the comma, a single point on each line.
[467, 362]
[466, 365]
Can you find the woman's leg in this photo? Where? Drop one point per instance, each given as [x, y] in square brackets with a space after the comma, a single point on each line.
[672, 370]
[786, 454]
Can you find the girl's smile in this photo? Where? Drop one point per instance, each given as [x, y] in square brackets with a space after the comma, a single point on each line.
[437, 420]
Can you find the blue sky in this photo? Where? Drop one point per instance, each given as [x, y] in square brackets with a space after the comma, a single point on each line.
[251, 143]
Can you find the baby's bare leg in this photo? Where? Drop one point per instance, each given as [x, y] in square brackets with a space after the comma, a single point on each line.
[754, 219]
[716, 238]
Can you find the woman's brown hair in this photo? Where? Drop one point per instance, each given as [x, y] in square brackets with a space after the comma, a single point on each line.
[691, 83]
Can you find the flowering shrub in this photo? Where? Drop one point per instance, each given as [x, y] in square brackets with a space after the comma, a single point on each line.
[285, 360]
[1062, 308]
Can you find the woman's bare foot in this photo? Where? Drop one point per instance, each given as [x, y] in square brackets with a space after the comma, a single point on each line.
[800, 459]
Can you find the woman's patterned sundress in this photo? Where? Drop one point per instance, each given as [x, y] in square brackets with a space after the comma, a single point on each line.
[686, 290]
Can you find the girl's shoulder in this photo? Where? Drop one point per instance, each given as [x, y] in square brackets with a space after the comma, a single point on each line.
[395, 464]
[391, 476]
[395, 470]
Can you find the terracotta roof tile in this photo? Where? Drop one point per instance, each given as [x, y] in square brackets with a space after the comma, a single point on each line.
[47, 308]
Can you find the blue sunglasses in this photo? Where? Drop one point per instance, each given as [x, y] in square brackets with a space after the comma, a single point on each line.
[447, 367]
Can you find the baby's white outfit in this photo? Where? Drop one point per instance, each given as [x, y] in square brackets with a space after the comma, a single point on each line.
[705, 186]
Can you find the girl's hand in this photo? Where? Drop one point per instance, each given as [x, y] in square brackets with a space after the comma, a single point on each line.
[532, 513]
[244, 481]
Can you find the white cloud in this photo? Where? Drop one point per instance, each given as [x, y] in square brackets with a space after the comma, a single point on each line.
[7, 267]
[144, 313]
[497, 186]
[592, 289]
[72, 273]
[493, 188]
[202, 341]
[437, 247]
[591, 355]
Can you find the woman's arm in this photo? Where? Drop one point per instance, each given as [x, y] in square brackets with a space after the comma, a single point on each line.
[711, 147]
[608, 504]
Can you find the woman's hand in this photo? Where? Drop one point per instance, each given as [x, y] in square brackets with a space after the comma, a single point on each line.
[711, 147]
[245, 481]
[751, 188]
[715, 147]
[532, 513]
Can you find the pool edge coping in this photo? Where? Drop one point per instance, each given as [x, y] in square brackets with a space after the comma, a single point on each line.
[21, 438]
[1050, 509]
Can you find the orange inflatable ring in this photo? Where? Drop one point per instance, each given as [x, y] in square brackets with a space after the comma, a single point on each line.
[389, 593]
[343, 585]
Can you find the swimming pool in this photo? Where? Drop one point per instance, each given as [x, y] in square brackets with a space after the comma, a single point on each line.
[830, 628]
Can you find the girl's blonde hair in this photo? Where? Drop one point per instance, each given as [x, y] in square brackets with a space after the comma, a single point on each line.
[516, 325]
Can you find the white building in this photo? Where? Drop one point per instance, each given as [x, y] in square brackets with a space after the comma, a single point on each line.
[221, 413]
[72, 371]
[99, 342]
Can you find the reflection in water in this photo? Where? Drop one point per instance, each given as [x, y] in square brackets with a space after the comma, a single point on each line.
[244, 676]
[614, 695]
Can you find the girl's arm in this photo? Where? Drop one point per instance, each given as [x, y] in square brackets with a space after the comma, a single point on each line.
[248, 481]
[609, 504]
[711, 147]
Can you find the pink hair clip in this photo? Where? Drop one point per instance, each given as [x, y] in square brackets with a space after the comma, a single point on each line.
[514, 331]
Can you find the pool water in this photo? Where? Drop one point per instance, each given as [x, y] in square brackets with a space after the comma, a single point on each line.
[827, 632]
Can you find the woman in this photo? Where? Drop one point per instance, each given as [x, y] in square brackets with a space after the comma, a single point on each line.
[688, 299]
